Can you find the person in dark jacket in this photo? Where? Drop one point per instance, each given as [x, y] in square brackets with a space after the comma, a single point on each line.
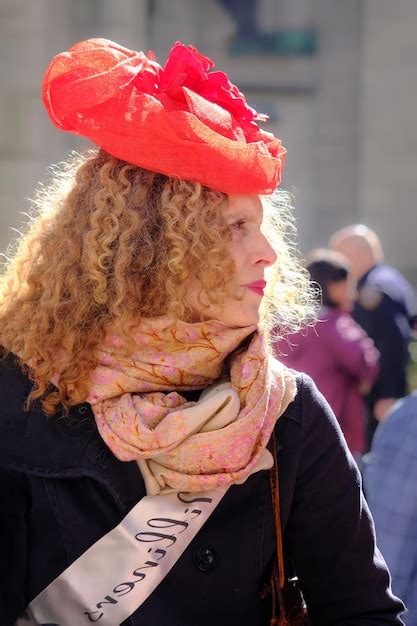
[140, 401]
[386, 309]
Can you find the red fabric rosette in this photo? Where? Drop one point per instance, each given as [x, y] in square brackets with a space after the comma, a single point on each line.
[182, 120]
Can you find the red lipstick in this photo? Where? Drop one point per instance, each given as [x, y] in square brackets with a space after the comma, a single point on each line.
[258, 287]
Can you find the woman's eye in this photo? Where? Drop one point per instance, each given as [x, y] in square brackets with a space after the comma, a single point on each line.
[239, 225]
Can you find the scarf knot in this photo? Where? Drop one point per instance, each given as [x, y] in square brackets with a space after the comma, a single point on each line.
[190, 446]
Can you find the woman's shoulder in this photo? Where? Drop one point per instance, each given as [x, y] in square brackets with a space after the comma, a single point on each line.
[14, 389]
[12, 377]
[30, 440]
[311, 411]
[307, 400]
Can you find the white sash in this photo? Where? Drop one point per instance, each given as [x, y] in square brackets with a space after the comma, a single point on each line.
[107, 583]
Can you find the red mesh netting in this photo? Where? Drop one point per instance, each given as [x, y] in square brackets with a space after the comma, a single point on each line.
[181, 120]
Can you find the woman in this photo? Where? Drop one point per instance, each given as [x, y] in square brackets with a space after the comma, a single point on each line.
[137, 378]
[338, 355]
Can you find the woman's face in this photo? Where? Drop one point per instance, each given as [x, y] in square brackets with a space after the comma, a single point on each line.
[252, 254]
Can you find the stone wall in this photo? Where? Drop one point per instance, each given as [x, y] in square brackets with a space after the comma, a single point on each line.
[31, 34]
[388, 185]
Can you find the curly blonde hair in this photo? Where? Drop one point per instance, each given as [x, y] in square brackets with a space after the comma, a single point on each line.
[110, 243]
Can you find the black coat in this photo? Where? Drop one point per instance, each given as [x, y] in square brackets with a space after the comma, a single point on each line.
[62, 489]
[386, 308]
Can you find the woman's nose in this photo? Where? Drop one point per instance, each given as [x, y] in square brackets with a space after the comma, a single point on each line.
[264, 254]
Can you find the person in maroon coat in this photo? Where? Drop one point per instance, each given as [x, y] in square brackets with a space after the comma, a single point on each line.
[336, 352]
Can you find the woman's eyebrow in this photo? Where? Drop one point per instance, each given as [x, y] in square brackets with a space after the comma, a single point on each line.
[239, 215]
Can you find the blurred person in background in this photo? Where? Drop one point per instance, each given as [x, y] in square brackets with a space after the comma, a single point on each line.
[336, 352]
[386, 309]
[390, 480]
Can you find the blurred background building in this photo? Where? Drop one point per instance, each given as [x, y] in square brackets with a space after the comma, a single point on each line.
[337, 78]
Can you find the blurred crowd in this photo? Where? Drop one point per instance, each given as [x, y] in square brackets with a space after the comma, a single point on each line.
[358, 355]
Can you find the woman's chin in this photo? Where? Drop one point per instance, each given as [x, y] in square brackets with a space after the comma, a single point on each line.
[240, 319]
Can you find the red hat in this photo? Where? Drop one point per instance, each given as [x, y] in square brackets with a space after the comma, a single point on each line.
[181, 120]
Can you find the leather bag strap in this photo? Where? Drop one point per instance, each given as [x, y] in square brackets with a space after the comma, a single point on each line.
[278, 572]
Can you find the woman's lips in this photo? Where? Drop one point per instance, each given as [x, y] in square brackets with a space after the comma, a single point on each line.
[258, 287]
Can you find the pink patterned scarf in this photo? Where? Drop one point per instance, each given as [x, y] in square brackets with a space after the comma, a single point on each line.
[181, 445]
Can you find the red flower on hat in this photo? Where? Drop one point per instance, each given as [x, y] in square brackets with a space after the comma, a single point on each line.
[186, 67]
[182, 120]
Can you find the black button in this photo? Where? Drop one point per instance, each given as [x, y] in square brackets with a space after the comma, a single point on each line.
[204, 559]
